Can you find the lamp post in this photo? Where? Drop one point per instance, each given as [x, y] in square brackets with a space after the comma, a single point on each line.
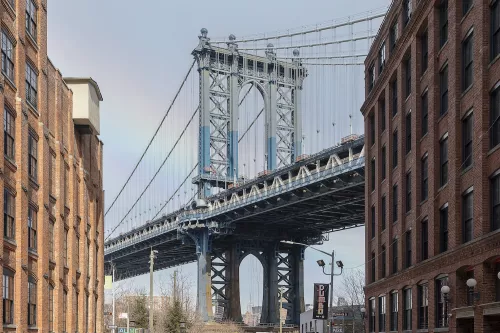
[321, 263]
[182, 326]
[445, 290]
[471, 284]
[152, 257]
[363, 313]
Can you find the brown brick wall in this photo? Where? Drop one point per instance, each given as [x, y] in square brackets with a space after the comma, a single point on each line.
[485, 248]
[81, 156]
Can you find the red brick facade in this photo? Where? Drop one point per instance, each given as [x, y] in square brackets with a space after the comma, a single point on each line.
[58, 192]
[463, 258]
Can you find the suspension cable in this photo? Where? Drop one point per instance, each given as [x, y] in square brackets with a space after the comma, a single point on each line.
[151, 141]
[157, 172]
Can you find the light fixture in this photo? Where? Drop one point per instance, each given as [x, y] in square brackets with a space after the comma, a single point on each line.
[498, 275]
[363, 310]
[445, 290]
[321, 263]
[340, 264]
[471, 283]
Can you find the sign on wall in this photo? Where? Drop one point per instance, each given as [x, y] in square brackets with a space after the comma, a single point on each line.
[320, 307]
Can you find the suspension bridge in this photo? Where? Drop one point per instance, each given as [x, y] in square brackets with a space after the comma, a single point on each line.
[256, 148]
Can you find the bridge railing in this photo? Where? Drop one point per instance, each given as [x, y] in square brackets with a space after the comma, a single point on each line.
[255, 196]
[302, 179]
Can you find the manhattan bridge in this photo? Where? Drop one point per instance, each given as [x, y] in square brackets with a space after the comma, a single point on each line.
[258, 146]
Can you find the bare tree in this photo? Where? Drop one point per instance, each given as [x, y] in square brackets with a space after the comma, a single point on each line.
[353, 291]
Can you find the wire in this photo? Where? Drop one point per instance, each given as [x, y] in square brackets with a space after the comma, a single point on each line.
[151, 141]
[158, 171]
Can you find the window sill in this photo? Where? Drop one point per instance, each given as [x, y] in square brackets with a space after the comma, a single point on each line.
[33, 109]
[464, 171]
[441, 49]
[424, 136]
[11, 163]
[465, 15]
[11, 11]
[442, 116]
[34, 183]
[32, 41]
[494, 149]
[9, 82]
[442, 187]
[10, 241]
[33, 328]
[422, 330]
[423, 202]
[494, 60]
[442, 329]
[33, 253]
[469, 88]
[9, 326]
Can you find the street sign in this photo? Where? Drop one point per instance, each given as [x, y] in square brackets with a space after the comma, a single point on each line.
[337, 329]
[112, 327]
[320, 307]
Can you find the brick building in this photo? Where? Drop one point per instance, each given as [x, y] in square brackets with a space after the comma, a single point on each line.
[51, 181]
[433, 168]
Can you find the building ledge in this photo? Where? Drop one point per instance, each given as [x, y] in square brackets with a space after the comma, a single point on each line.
[490, 309]
[442, 329]
[465, 312]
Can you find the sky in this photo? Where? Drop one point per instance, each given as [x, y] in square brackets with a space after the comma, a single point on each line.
[138, 52]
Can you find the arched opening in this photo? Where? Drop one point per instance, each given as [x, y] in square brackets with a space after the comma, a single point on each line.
[251, 131]
[251, 289]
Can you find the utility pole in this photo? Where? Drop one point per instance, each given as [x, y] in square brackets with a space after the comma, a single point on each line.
[151, 268]
[330, 318]
[113, 291]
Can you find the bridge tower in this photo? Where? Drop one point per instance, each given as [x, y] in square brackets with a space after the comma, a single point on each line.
[223, 72]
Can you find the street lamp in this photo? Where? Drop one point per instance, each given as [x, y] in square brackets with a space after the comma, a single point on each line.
[363, 310]
[498, 275]
[321, 263]
[471, 283]
[445, 290]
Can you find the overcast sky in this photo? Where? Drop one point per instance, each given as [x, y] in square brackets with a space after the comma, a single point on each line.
[138, 51]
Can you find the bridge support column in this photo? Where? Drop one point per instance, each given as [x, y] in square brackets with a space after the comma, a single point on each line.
[271, 123]
[204, 299]
[234, 92]
[298, 283]
[234, 311]
[270, 299]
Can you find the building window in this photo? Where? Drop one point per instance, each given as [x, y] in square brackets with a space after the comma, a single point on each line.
[443, 22]
[382, 115]
[495, 117]
[468, 217]
[467, 62]
[373, 222]
[495, 202]
[443, 89]
[372, 174]
[394, 203]
[66, 185]
[31, 15]
[381, 313]
[31, 301]
[9, 133]
[393, 36]
[408, 249]
[9, 214]
[395, 149]
[373, 267]
[425, 51]
[441, 308]
[425, 113]
[394, 89]
[8, 297]
[8, 56]
[423, 306]
[406, 11]
[372, 129]
[443, 229]
[51, 240]
[395, 256]
[466, 5]
[384, 162]
[407, 66]
[408, 132]
[66, 247]
[371, 77]
[408, 192]
[76, 311]
[65, 307]
[52, 163]
[32, 226]
[495, 29]
[381, 58]
[424, 239]
[425, 178]
[384, 262]
[51, 308]
[31, 85]
[371, 322]
[383, 212]
[32, 156]
[443, 161]
[394, 311]
[407, 308]
[77, 253]
[467, 125]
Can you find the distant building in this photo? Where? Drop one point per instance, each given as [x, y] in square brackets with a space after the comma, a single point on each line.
[346, 317]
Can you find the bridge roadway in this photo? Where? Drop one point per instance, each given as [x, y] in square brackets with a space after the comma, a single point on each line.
[302, 202]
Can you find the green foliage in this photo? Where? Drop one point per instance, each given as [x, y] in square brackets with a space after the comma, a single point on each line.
[174, 316]
[139, 311]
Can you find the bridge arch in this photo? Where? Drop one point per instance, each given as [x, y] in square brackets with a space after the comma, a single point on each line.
[252, 287]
